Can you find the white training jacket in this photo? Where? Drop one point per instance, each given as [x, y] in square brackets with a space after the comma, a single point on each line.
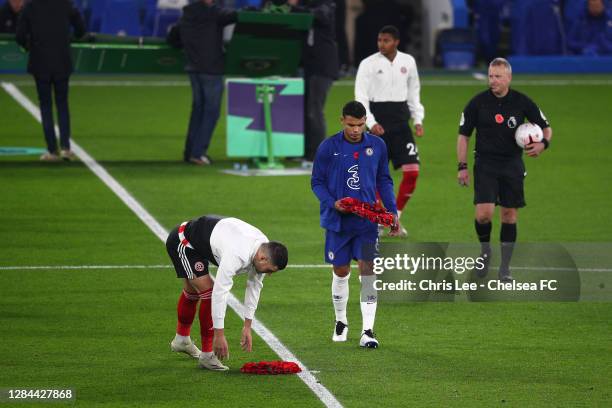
[380, 80]
[234, 244]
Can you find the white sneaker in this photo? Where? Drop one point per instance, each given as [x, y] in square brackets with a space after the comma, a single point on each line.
[66, 155]
[340, 332]
[49, 157]
[211, 362]
[368, 339]
[187, 347]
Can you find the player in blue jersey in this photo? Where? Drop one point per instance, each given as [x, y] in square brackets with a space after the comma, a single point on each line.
[352, 163]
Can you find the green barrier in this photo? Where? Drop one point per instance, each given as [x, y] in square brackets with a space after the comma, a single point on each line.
[105, 54]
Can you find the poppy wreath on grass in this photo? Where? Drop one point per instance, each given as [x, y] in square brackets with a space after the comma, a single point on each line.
[271, 368]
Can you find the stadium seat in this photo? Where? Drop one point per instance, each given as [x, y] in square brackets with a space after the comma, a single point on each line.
[95, 9]
[517, 22]
[164, 18]
[457, 48]
[548, 41]
[572, 11]
[121, 17]
[488, 25]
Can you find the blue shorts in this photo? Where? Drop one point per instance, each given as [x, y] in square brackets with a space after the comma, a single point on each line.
[342, 247]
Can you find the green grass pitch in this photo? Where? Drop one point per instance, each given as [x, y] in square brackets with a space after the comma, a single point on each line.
[105, 332]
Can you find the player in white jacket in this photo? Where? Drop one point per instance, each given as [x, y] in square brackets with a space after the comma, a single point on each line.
[237, 248]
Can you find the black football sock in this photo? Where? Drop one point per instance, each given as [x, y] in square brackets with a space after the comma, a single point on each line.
[507, 237]
[484, 235]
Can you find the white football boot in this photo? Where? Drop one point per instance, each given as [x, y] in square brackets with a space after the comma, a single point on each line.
[185, 345]
[340, 332]
[211, 362]
[368, 339]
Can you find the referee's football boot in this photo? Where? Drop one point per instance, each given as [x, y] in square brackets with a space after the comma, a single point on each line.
[185, 346]
[340, 332]
[486, 260]
[368, 339]
[210, 362]
[504, 275]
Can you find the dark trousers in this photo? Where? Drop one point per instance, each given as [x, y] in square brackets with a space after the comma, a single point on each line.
[207, 91]
[316, 88]
[59, 86]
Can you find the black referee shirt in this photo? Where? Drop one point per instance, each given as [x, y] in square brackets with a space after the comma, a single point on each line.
[496, 120]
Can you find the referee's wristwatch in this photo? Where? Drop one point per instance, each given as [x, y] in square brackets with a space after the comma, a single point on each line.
[546, 143]
[462, 166]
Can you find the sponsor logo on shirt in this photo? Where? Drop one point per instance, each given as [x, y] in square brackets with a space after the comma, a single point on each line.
[512, 122]
[353, 181]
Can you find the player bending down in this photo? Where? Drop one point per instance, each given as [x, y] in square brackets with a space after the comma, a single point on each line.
[236, 248]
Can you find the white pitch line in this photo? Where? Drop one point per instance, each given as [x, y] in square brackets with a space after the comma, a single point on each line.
[290, 266]
[326, 397]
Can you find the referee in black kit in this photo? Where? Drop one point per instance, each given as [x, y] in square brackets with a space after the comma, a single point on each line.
[498, 166]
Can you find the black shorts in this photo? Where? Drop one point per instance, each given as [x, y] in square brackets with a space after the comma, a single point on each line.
[499, 182]
[401, 147]
[188, 263]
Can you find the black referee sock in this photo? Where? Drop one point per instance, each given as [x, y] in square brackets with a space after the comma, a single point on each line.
[484, 235]
[507, 237]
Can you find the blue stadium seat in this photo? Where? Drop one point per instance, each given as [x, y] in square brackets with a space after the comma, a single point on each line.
[572, 11]
[517, 22]
[247, 3]
[488, 25]
[163, 20]
[121, 17]
[543, 29]
[150, 11]
[457, 48]
[96, 10]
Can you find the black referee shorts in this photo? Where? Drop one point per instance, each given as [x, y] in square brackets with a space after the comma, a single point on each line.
[499, 182]
[188, 263]
[401, 147]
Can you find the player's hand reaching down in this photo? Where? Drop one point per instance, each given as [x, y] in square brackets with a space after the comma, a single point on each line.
[246, 340]
[220, 345]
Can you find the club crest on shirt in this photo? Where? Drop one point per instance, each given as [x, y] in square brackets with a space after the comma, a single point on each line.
[199, 266]
[369, 151]
[353, 181]
[403, 70]
[512, 122]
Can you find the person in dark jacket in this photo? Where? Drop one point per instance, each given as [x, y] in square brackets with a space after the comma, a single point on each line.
[44, 30]
[8, 15]
[321, 66]
[200, 33]
[591, 34]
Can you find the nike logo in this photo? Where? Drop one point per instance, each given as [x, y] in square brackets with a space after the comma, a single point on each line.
[336, 154]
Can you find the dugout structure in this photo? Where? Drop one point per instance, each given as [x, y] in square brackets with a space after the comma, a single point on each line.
[104, 54]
